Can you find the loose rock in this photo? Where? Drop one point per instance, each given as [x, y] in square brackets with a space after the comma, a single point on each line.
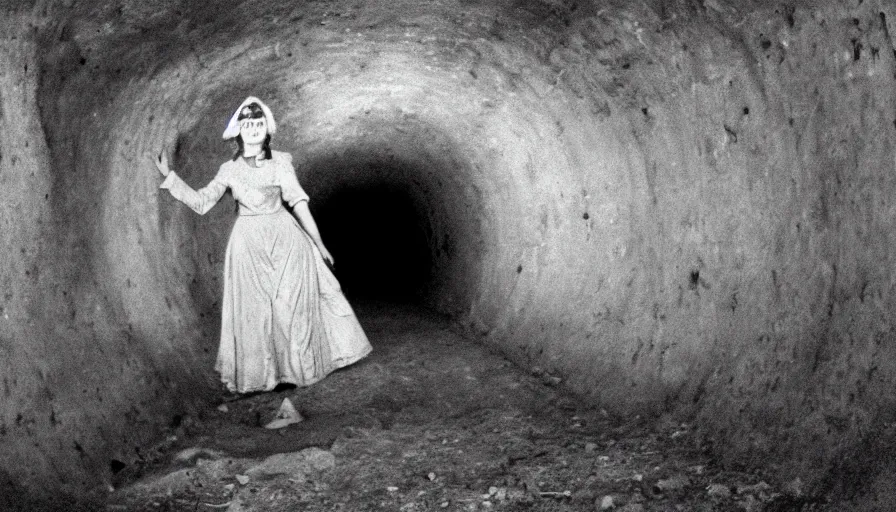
[718, 491]
[753, 489]
[674, 483]
[794, 487]
[750, 504]
[295, 463]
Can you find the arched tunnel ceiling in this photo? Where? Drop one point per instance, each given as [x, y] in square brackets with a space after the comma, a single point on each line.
[659, 201]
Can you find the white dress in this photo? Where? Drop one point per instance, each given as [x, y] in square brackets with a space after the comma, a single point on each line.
[284, 316]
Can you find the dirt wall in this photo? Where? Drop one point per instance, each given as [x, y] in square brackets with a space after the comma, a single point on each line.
[677, 208]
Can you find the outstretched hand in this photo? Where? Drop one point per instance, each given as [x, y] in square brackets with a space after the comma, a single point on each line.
[326, 255]
[161, 162]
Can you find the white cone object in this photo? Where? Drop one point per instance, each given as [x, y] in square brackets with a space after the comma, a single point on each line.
[286, 415]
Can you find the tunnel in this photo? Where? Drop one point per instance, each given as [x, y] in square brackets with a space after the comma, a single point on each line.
[402, 269]
[683, 208]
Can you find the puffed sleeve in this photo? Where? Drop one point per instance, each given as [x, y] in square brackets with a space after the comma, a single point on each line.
[202, 200]
[289, 185]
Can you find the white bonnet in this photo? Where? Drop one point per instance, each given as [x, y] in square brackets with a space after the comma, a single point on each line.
[233, 126]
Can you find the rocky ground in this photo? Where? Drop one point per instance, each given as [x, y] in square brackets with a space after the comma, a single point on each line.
[433, 421]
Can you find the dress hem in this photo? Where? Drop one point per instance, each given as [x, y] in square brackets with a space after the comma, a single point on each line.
[337, 364]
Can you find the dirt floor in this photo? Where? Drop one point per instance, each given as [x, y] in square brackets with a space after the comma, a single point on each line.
[433, 421]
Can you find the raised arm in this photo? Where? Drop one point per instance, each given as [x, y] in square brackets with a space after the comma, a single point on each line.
[200, 201]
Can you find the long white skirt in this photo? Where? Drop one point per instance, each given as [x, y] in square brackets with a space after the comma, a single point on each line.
[284, 316]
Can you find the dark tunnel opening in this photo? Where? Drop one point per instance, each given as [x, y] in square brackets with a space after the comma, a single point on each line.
[380, 241]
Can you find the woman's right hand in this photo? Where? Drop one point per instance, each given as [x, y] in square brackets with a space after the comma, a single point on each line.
[161, 162]
[326, 254]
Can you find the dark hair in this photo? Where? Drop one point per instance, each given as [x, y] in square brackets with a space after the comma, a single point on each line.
[252, 111]
[265, 147]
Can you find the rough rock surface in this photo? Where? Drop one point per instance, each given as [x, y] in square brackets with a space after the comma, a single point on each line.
[433, 421]
[670, 206]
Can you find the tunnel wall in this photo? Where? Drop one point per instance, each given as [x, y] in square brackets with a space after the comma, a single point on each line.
[752, 284]
[80, 389]
[740, 277]
[679, 209]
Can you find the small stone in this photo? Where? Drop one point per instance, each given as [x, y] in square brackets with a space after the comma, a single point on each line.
[718, 491]
[486, 504]
[603, 458]
[392, 488]
[197, 454]
[229, 487]
[750, 504]
[242, 479]
[492, 490]
[223, 408]
[638, 477]
[445, 504]
[550, 380]
[431, 476]
[753, 489]
[187, 454]
[590, 447]
[501, 495]
[794, 487]
[673, 483]
[295, 463]
[607, 503]
[697, 470]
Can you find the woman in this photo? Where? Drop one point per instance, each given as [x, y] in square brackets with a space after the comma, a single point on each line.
[285, 319]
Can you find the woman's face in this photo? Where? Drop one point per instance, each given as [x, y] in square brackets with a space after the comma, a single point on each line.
[253, 131]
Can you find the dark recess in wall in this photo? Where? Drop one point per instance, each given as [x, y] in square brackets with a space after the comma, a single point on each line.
[379, 241]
